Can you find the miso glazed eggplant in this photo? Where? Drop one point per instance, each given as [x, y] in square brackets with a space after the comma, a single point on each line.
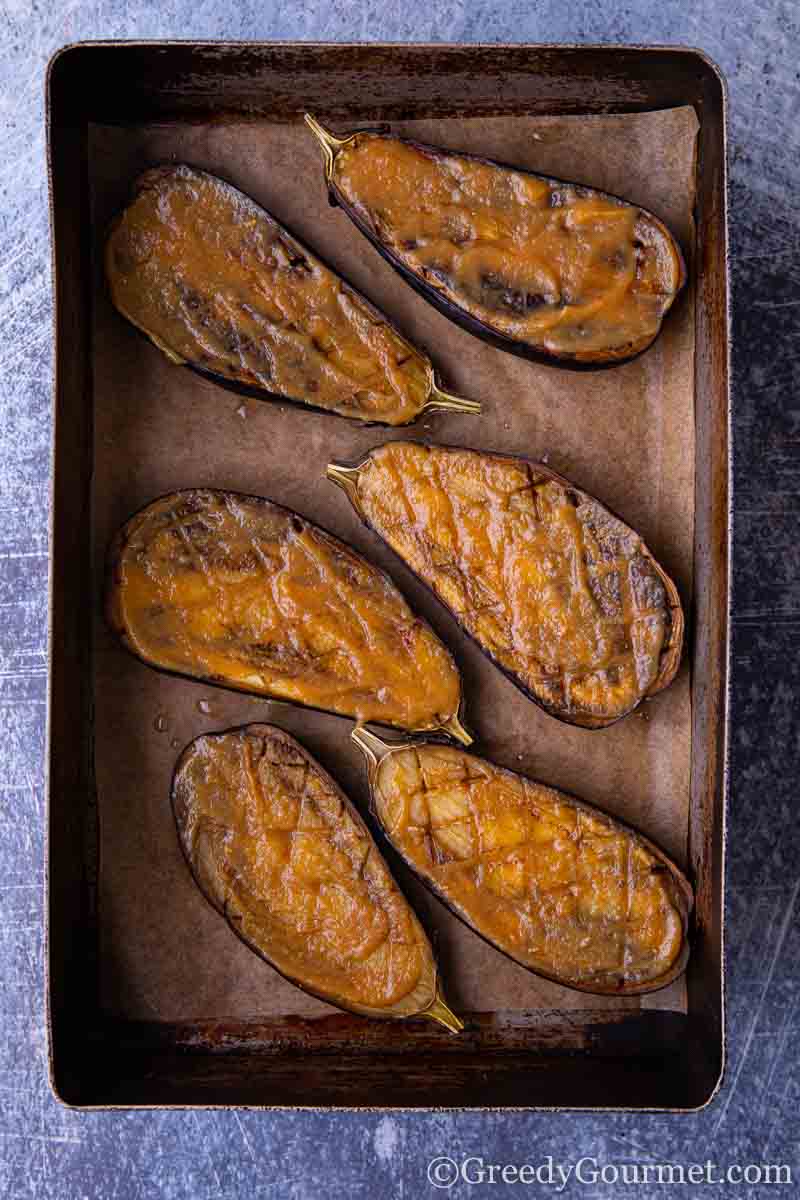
[561, 594]
[217, 284]
[552, 882]
[547, 269]
[243, 593]
[278, 849]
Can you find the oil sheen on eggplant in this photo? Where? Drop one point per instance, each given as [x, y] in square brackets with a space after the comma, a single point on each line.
[216, 283]
[550, 268]
[277, 848]
[559, 592]
[241, 592]
[557, 885]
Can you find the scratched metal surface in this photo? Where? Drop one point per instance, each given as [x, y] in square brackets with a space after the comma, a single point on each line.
[47, 1151]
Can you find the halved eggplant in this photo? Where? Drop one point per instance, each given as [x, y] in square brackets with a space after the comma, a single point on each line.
[550, 270]
[243, 593]
[277, 848]
[560, 593]
[557, 885]
[218, 285]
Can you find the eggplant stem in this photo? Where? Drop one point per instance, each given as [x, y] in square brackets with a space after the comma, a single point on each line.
[347, 479]
[440, 399]
[442, 1015]
[330, 145]
[373, 748]
[456, 730]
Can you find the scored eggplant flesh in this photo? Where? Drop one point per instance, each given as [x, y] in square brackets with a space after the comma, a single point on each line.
[278, 849]
[559, 592]
[557, 885]
[218, 284]
[244, 593]
[548, 268]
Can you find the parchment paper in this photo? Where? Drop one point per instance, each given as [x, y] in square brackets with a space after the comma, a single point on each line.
[626, 435]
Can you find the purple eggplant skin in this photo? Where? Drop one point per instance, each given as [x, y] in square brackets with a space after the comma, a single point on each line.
[249, 392]
[459, 316]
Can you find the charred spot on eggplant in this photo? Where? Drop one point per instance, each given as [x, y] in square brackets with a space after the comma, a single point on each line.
[558, 886]
[560, 593]
[548, 269]
[244, 593]
[218, 285]
[277, 848]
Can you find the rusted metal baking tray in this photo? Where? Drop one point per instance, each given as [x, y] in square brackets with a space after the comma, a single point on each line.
[123, 1030]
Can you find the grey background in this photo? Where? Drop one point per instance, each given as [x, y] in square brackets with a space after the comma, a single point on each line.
[47, 1151]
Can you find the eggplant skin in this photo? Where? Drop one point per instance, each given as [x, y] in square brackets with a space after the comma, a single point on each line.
[248, 595]
[550, 270]
[280, 852]
[560, 887]
[221, 287]
[561, 594]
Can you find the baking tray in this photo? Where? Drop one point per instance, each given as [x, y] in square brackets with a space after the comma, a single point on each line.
[587, 1057]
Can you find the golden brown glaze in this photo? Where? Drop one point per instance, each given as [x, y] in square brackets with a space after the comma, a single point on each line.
[558, 886]
[242, 592]
[218, 284]
[568, 271]
[559, 592]
[278, 849]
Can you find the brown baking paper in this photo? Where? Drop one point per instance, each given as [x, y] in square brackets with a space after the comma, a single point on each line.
[625, 434]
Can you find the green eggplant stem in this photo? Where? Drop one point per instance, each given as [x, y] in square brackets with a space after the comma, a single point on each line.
[330, 145]
[373, 747]
[347, 479]
[439, 399]
[442, 1015]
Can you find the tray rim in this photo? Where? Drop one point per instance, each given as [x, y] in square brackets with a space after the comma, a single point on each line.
[644, 48]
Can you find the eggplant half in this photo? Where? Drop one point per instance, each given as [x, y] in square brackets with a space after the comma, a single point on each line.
[564, 597]
[245, 594]
[277, 848]
[550, 270]
[557, 885]
[218, 285]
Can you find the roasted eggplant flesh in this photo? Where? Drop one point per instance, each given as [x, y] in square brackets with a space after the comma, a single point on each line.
[219, 285]
[558, 886]
[244, 593]
[563, 595]
[277, 848]
[566, 271]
